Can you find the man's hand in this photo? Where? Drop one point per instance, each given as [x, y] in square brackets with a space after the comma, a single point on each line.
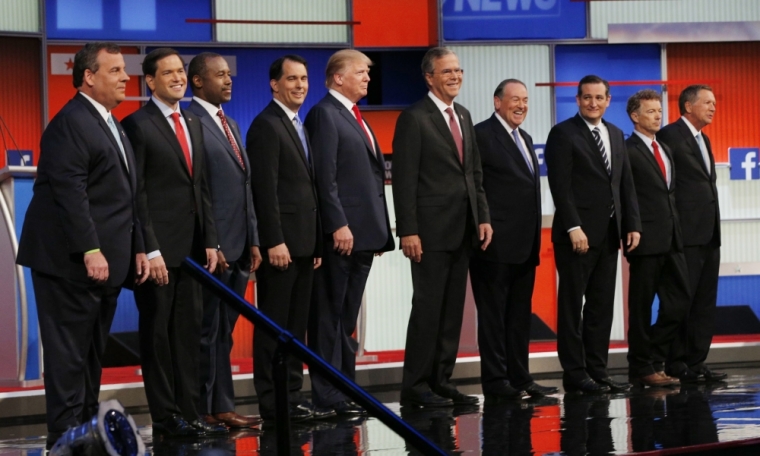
[279, 256]
[579, 240]
[632, 241]
[343, 240]
[486, 233]
[142, 268]
[412, 247]
[97, 266]
[255, 258]
[221, 262]
[317, 263]
[158, 272]
[210, 260]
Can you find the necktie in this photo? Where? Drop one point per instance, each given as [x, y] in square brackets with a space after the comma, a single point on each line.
[301, 134]
[600, 144]
[358, 115]
[455, 133]
[115, 132]
[231, 138]
[180, 132]
[516, 137]
[660, 161]
[703, 149]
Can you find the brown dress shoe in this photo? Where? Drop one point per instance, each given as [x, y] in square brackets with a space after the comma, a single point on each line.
[654, 380]
[235, 420]
[210, 419]
[674, 380]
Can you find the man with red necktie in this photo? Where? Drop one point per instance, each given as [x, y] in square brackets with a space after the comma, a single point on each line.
[657, 265]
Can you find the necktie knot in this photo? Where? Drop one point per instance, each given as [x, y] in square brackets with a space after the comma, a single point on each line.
[175, 116]
[220, 113]
[297, 120]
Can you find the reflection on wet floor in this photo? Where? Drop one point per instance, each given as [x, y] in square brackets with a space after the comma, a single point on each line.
[640, 421]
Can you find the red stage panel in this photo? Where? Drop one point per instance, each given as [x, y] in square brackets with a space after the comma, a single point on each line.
[20, 101]
[396, 23]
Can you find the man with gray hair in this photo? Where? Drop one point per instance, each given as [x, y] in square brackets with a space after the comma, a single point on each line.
[698, 208]
[349, 170]
[657, 265]
[441, 206]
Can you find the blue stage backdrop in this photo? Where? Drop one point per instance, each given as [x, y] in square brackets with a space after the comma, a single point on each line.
[465, 20]
[127, 20]
[627, 62]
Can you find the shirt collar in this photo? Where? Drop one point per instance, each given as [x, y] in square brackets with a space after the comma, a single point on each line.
[105, 113]
[439, 103]
[343, 100]
[212, 110]
[506, 125]
[694, 131]
[288, 112]
[590, 125]
[645, 138]
[166, 110]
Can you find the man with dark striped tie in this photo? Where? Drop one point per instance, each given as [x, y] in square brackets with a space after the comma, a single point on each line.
[591, 183]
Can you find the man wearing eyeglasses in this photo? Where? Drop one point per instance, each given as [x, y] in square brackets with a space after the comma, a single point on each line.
[441, 214]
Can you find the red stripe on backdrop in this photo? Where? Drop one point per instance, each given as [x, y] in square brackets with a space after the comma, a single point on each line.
[20, 99]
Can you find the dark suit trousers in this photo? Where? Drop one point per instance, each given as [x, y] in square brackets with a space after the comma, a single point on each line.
[283, 296]
[693, 343]
[336, 300]
[75, 319]
[583, 342]
[435, 324]
[170, 328]
[217, 393]
[666, 276]
[503, 295]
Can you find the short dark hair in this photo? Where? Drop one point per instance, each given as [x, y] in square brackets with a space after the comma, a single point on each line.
[499, 92]
[634, 102]
[689, 95]
[150, 64]
[433, 54]
[197, 66]
[87, 59]
[275, 69]
[593, 79]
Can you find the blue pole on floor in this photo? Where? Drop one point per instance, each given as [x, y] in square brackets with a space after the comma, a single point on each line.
[316, 364]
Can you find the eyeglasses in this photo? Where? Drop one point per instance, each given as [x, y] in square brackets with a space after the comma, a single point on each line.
[447, 73]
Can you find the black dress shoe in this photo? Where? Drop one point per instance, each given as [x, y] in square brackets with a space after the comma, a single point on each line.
[685, 375]
[176, 426]
[536, 390]
[426, 399]
[615, 387]
[348, 408]
[586, 386]
[504, 394]
[301, 412]
[458, 398]
[711, 375]
[322, 413]
[209, 429]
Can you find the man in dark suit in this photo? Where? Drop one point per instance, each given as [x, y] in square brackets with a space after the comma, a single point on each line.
[229, 179]
[286, 201]
[174, 205]
[591, 183]
[81, 235]
[503, 276]
[349, 168]
[699, 210]
[657, 266]
[441, 207]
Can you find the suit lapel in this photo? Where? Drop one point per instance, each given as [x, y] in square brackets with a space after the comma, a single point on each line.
[355, 124]
[510, 146]
[210, 125]
[693, 145]
[642, 148]
[239, 139]
[287, 123]
[158, 119]
[107, 130]
[443, 128]
[195, 133]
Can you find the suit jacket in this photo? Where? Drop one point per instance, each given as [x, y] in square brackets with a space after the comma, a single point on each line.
[350, 176]
[84, 198]
[657, 202]
[582, 189]
[434, 194]
[283, 185]
[230, 186]
[513, 193]
[697, 196]
[171, 202]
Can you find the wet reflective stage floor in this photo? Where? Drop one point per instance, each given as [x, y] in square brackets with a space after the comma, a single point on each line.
[717, 419]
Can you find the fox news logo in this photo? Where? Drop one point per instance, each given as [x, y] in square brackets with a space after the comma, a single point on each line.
[506, 7]
[744, 163]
